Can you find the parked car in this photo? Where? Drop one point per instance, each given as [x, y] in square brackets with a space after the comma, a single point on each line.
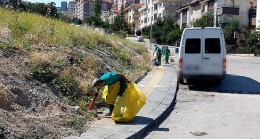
[202, 54]
[139, 38]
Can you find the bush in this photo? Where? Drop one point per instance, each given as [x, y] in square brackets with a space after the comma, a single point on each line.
[252, 45]
[68, 86]
[76, 123]
[121, 34]
[206, 20]
[43, 73]
[229, 30]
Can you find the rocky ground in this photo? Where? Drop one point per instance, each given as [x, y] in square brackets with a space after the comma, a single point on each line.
[28, 108]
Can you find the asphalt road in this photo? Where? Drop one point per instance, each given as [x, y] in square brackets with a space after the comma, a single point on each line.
[228, 111]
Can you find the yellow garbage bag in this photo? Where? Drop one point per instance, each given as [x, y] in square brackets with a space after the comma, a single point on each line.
[110, 93]
[129, 104]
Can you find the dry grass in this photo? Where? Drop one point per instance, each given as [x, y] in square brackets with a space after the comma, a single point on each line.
[71, 50]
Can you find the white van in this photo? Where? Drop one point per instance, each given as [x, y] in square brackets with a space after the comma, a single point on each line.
[202, 54]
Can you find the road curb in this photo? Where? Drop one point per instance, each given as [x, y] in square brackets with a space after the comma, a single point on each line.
[156, 122]
[243, 55]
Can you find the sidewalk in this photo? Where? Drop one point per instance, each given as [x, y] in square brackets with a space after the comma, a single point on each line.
[159, 85]
[243, 55]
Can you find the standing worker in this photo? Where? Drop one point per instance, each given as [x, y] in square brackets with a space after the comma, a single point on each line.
[158, 51]
[117, 84]
[167, 53]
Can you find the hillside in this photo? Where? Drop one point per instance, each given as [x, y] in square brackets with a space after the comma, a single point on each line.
[47, 67]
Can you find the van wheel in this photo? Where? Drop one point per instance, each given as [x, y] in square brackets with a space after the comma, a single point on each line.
[218, 81]
[180, 80]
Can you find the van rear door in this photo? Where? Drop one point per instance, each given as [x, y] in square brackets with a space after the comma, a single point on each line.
[192, 52]
[212, 52]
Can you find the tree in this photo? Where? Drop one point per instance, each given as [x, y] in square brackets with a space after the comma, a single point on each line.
[229, 29]
[119, 23]
[43, 9]
[206, 20]
[165, 31]
[14, 3]
[51, 10]
[39, 8]
[94, 21]
[97, 8]
[76, 21]
[174, 36]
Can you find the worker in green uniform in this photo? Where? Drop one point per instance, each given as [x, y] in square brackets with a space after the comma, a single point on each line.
[158, 52]
[111, 79]
[166, 53]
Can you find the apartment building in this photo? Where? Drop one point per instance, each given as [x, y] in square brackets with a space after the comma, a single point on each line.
[223, 10]
[132, 16]
[194, 9]
[117, 6]
[154, 9]
[85, 8]
[72, 7]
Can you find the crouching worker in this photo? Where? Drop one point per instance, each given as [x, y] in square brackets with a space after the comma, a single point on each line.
[117, 84]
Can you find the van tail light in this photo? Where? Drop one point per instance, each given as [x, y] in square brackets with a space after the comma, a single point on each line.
[180, 63]
[224, 63]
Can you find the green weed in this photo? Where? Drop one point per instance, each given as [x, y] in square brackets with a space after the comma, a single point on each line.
[42, 73]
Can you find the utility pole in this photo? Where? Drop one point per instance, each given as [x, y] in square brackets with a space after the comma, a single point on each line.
[151, 30]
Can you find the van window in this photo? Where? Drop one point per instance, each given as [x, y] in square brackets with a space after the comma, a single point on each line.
[192, 46]
[212, 45]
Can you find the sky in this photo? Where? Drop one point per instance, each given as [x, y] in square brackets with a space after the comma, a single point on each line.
[47, 1]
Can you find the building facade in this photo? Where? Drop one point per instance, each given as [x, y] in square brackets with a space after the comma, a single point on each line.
[154, 9]
[223, 11]
[72, 9]
[132, 16]
[85, 8]
[258, 15]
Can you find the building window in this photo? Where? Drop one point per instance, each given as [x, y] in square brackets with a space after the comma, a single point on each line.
[155, 16]
[155, 7]
[203, 7]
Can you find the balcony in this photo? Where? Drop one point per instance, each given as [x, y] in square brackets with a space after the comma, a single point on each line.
[144, 7]
[222, 19]
[136, 16]
[156, 1]
[170, 8]
[228, 9]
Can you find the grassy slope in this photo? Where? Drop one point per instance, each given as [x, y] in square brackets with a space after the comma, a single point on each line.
[37, 36]
[63, 56]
